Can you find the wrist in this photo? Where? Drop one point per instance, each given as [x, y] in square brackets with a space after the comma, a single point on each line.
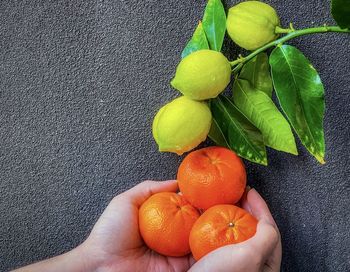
[78, 259]
[85, 258]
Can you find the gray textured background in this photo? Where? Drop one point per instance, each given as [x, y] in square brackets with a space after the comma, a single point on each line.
[80, 82]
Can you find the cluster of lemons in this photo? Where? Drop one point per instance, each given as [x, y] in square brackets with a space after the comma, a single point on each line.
[184, 123]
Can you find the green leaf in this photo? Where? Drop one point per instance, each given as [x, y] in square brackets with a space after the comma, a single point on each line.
[241, 135]
[216, 135]
[341, 12]
[301, 95]
[257, 72]
[198, 41]
[262, 112]
[214, 24]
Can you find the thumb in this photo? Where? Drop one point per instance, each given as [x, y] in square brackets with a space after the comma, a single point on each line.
[246, 256]
[264, 241]
[138, 194]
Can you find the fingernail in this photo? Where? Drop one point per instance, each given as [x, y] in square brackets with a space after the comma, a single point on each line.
[249, 209]
[253, 189]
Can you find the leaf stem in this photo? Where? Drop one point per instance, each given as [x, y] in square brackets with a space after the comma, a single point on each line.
[291, 34]
[237, 61]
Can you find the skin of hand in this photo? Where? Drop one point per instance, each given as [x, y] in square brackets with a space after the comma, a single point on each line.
[116, 240]
[115, 243]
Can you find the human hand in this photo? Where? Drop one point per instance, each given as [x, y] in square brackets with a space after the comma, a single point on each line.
[115, 243]
[262, 252]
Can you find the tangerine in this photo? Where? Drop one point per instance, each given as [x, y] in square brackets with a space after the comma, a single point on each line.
[219, 226]
[165, 222]
[211, 176]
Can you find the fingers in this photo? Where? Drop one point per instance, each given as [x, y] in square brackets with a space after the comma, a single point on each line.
[273, 263]
[138, 194]
[239, 257]
[227, 258]
[247, 256]
[258, 207]
[244, 200]
[267, 244]
[264, 241]
[254, 204]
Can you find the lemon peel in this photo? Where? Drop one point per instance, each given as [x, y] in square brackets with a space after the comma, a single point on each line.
[202, 75]
[252, 24]
[181, 125]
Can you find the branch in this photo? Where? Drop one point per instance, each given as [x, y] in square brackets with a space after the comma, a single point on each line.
[238, 64]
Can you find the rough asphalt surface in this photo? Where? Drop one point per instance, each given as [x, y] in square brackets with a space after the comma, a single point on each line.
[80, 82]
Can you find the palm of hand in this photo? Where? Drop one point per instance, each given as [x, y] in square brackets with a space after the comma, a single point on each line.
[117, 242]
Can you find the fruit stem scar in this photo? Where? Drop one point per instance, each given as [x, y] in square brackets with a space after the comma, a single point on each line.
[212, 160]
[291, 33]
[231, 225]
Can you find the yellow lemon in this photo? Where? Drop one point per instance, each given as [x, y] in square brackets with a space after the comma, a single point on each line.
[202, 75]
[181, 125]
[252, 24]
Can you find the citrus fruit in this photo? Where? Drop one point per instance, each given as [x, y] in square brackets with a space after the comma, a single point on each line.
[252, 24]
[202, 75]
[165, 222]
[210, 176]
[219, 226]
[181, 125]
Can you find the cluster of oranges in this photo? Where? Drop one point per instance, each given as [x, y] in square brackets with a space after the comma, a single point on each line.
[202, 217]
